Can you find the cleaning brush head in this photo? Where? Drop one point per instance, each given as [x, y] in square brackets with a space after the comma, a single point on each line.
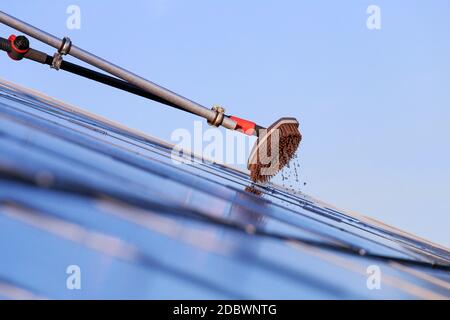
[274, 149]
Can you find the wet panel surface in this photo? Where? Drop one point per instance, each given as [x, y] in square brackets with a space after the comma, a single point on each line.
[76, 189]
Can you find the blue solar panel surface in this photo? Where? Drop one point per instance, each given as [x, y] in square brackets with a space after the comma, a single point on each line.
[76, 189]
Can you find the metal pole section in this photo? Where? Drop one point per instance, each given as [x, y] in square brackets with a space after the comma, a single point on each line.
[117, 71]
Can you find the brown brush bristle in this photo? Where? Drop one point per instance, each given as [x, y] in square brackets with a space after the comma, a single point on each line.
[253, 190]
[289, 140]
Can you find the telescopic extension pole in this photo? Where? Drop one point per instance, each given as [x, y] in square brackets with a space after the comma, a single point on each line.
[214, 116]
[273, 150]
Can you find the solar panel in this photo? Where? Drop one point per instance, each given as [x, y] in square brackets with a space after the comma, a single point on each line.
[76, 189]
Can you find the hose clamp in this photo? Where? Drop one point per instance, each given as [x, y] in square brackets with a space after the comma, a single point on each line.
[220, 115]
[56, 62]
[66, 45]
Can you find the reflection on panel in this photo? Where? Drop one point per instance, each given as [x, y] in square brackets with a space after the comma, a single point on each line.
[79, 190]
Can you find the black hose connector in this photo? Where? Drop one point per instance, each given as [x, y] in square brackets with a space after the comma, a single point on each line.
[19, 47]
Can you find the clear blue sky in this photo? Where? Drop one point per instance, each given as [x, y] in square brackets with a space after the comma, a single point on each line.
[374, 105]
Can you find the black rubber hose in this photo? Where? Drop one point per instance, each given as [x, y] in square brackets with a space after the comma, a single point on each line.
[113, 82]
[38, 56]
[5, 45]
